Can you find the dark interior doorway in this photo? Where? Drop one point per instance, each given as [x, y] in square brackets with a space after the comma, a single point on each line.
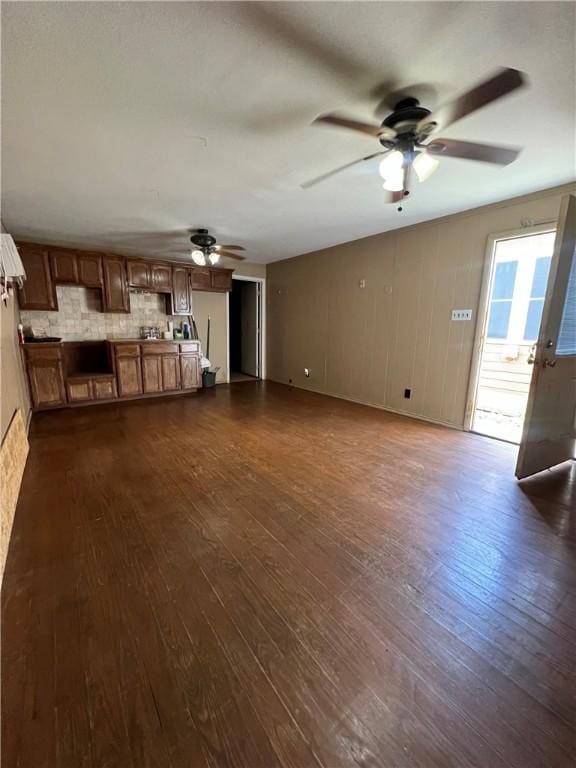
[245, 316]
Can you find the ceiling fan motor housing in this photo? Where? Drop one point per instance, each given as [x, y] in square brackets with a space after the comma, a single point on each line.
[202, 239]
[404, 119]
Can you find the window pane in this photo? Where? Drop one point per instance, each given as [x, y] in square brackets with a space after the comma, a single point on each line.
[540, 279]
[499, 319]
[504, 279]
[533, 318]
[567, 336]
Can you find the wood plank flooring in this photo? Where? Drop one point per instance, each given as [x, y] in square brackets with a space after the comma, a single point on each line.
[257, 577]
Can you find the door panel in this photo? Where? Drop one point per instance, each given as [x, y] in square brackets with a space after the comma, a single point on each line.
[170, 373]
[90, 270]
[152, 373]
[190, 371]
[181, 303]
[161, 278]
[64, 266]
[46, 383]
[104, 389]
[116, 298]
[129, 375]
[138, 274]
[38, 291]
[79, 391]
[548, 434]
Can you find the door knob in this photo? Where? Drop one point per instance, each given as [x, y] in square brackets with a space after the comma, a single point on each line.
[548, 363]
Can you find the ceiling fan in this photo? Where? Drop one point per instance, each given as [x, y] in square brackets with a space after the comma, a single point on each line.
[206, 251]
[405, 134]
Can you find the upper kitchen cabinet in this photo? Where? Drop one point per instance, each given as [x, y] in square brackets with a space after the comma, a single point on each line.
[221, 279]
[90, 270]
[64, 265]
[154, 277]
[38, 291]
[116, 297]
[181, 296]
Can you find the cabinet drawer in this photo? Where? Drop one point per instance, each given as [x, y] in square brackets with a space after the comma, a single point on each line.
[159, 348]
[39, 351]
[190, 347]
[127, 350]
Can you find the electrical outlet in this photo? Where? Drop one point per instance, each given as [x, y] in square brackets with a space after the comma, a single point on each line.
[461, 314]
[307, 372]
[362, 283]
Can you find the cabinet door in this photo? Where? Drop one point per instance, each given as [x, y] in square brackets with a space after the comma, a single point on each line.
[161, 278]
[103, 389]
[129, 374]
[138, 274]
[116, 297]
[190, 371]
[201, 278]
[38, 291]
[152, 373]
[181, 303]
[170, 373]
[46, 383]
[64, 266]
[79, 391]
[221, 280]
[90, 270]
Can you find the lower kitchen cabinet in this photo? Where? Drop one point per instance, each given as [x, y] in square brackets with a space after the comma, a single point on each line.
[86, 388]
[170, 373]
[46, 377]
[160, 373]
[190, 372]
[129, 376]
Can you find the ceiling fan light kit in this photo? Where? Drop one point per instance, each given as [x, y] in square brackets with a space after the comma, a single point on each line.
[206, 251]
[404, 135]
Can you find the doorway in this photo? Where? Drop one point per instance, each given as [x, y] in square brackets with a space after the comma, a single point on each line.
[517, 277]
[245, 321]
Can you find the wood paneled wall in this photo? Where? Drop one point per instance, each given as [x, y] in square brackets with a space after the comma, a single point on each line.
[370, 344]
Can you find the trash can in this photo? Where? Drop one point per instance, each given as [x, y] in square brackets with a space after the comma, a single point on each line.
[208, 379]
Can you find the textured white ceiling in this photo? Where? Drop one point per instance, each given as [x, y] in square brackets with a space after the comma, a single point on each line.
[121, 119]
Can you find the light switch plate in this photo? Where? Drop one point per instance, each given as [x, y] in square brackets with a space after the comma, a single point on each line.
[461, 314]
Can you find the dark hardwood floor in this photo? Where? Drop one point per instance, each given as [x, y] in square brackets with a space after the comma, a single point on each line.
[259, 577]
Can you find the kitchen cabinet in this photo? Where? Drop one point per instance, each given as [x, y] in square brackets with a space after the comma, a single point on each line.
[160, 367]
[90, 270]
[190, 371]
[152, 374]
[154, 277]
[116, 297]
[38, 291]
[46, 376]
[170, 373]
[87, 388]
[161, 278]
[64, 266]
[181, 297]
[201, 279]
[221, 279]
[138, 276]
[129, 376]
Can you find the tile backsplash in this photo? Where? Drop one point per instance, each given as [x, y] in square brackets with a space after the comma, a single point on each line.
[80, 316]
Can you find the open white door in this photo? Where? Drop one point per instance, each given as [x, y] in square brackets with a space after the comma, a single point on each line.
[548, 437]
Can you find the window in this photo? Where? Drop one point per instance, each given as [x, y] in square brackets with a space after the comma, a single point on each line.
[567, 336]
[501, 299]
[537, 295]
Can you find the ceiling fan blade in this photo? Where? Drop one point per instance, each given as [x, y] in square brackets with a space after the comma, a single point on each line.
[356, 125]
[501, 84]
[325, 176]
[469, 150]
[230, 255]
[230, 247]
